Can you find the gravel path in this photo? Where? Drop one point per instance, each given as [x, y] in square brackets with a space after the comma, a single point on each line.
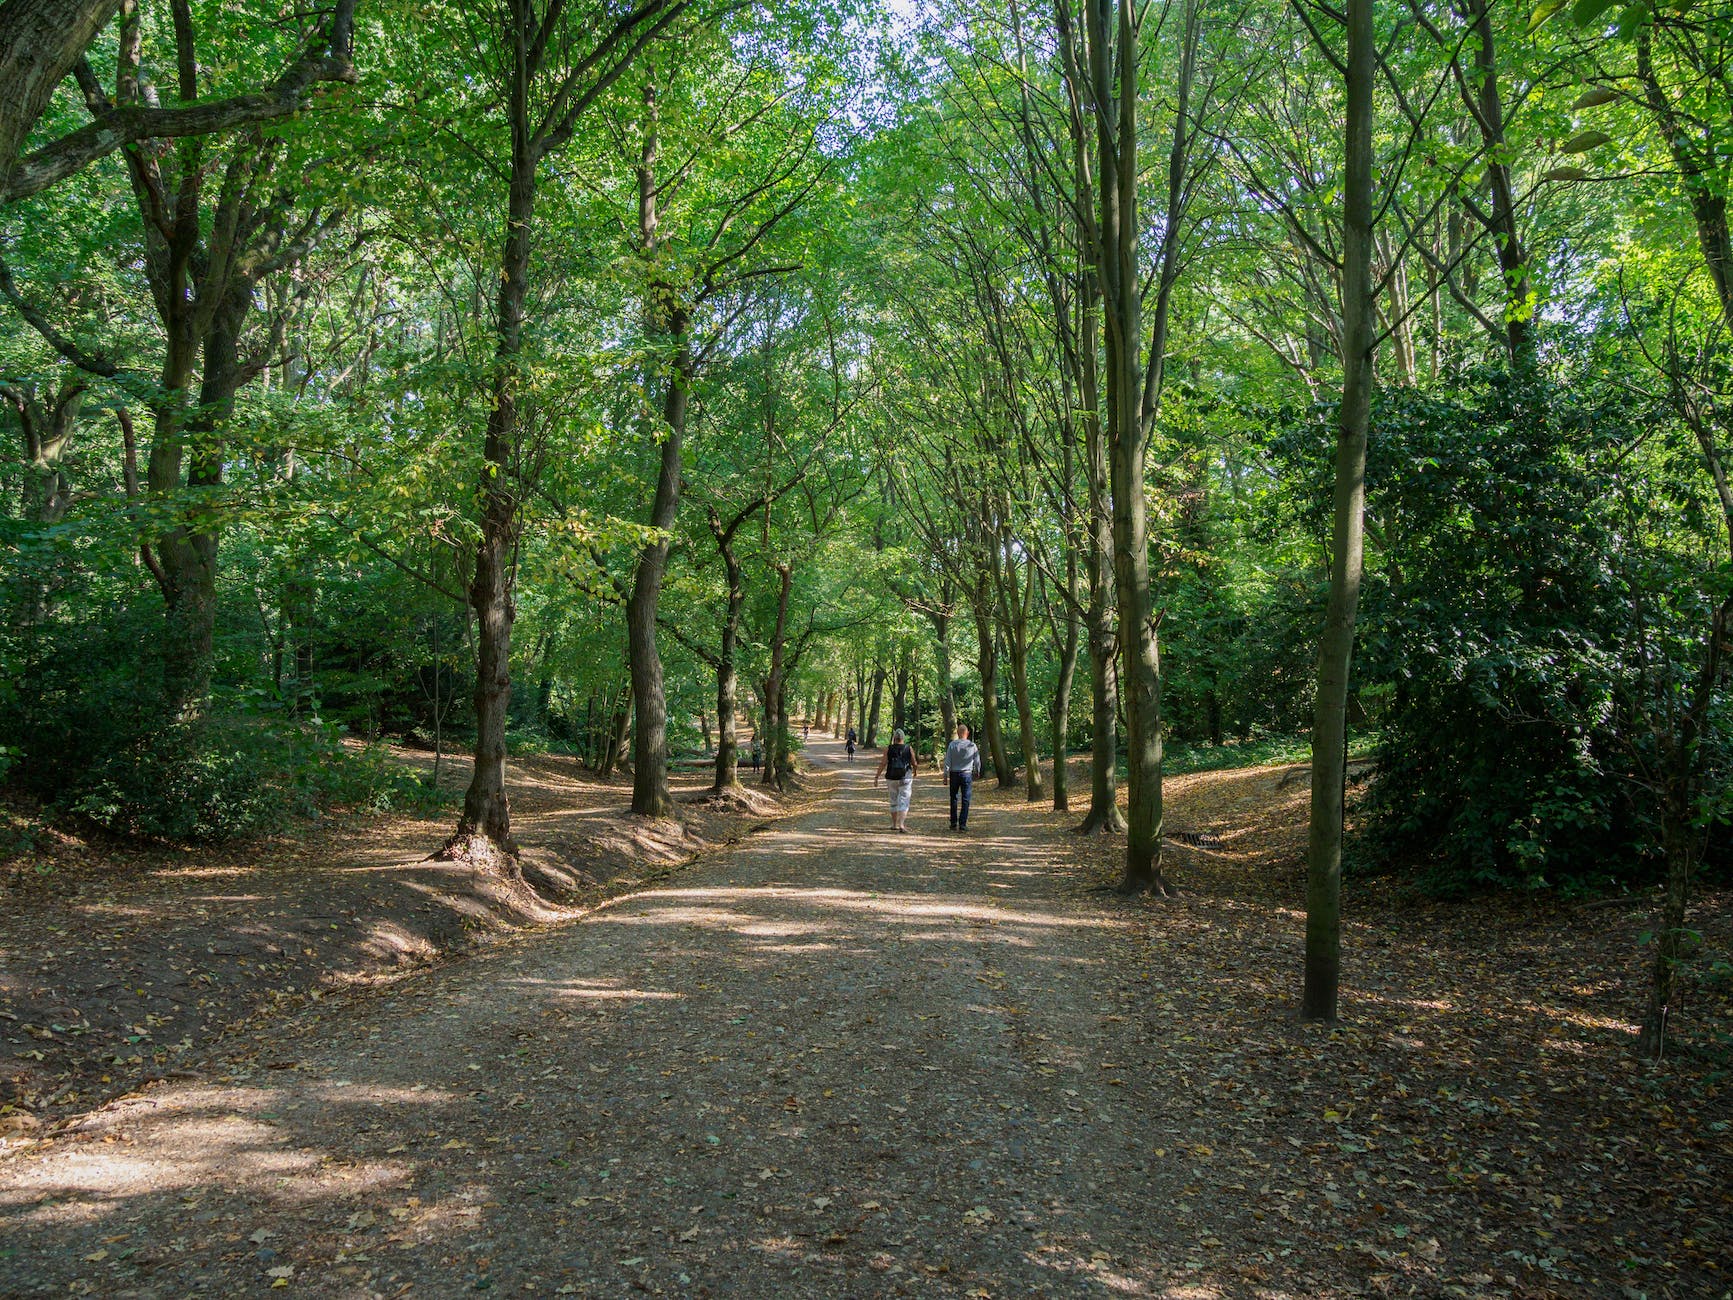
[834, 1061]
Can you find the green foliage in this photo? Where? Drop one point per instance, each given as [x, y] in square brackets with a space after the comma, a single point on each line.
[1258, 751]
[235, 777]
[1499, 628]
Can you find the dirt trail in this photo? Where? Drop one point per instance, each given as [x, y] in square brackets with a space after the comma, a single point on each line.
[124, 964]
[834, 1061]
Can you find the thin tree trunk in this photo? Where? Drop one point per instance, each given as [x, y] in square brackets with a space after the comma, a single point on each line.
[941, 622]
[650, 794]
[1336, 647]
[775, 728]
[1104, 814]
[987, 666]
[727, 739]
[900, 694]
[616, 738]
[1512, 261]
[1060, 711]
[871, 738]
[1017, 648]
[1141, 677]
[1133, 385]
[484, 828]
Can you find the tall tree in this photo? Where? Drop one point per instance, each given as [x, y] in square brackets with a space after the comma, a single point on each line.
[1103, 66]
[1347, 547]
[556, 62]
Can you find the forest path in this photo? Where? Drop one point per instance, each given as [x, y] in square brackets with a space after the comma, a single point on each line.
[831, 1061]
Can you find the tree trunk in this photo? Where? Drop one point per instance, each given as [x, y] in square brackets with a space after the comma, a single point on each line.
[871, 738]
[784, 755]
[615, 742]
[1512, 261]
[727, 738]
[1104, 814]
[1141, 674]
[915, 717]
[650, 794]
[1017, 646]
[1060, 711]
[987, 664]
[1677, 833]
[941, 622]
[1336, 646]
[1013, 599]
[484, 829]
[40, 41]
[775, 728]
[188, 554]
[1698, 162]
[1133, 384]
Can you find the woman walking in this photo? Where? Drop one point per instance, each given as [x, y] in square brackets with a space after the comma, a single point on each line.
[897, 766]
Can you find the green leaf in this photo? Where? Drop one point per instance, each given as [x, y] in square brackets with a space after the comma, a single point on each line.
[1633, 17]
[1583, 141]
[1543, 11]
[1585, 12]
[1594, 97]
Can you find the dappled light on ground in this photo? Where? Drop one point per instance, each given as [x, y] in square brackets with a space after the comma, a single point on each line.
[834, 1061]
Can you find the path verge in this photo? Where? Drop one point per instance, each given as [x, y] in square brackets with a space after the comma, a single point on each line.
[121, 966]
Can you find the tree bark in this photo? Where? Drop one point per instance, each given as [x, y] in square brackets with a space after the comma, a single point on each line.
[871, 737]
[1060, 711]
[40, 42]
[900, 694]
[666, 318]
[1336, 646]
[727, 683]
[941, 621]
[1104, 814]
[775, 725]
[1017, 649]
[484, 828]
[614, 744]
[650, 793]
[1134, 371]
[987, 666]
[1512, 260]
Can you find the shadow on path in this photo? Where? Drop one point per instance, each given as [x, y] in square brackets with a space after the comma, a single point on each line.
[834, 1061]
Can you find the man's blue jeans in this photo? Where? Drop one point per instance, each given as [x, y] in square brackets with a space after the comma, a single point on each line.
[962, 784]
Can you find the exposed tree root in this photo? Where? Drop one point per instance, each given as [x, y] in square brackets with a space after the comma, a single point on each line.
[738, 798]
[483, 854]
[1106, 823]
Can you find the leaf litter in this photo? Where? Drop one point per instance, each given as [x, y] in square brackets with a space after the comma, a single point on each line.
[1008, 1083]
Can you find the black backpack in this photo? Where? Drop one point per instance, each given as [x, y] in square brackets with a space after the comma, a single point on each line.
[897, 759]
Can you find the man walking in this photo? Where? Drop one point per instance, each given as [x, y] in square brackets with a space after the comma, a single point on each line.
[962, 766]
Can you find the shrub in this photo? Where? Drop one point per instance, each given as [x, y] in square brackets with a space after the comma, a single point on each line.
[225, 778]
[1515, 625]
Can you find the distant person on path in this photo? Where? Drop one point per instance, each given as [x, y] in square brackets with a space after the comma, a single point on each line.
[962, 766]
[851, 744]
[897, 766]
